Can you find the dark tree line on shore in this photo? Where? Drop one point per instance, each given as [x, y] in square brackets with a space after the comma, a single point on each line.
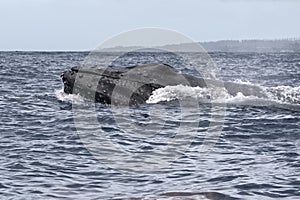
[284, 45]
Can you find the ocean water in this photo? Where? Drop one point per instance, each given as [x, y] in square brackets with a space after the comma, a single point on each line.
[59, 146]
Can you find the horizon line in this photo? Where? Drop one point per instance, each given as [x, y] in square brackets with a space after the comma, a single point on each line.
[86, 50]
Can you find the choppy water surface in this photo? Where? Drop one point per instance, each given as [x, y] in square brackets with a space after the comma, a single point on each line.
[44, 154]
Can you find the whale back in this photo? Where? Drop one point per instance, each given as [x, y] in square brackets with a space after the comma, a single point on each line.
[135, 84]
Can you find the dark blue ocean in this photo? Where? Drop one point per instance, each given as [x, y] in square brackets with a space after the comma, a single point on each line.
[51, 148]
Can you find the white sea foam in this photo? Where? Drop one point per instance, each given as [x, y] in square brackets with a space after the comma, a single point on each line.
[246, 82]
[280, 94]
[181, 92]
[62, 96]
[284, 94]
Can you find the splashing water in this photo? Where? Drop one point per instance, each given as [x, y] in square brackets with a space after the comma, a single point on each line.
[280, 94]
[285, 94]
[62, 96]
[181, 92]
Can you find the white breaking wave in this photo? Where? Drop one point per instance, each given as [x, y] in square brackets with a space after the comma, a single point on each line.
[246, 82]
[285, 94]
[280, 94]
[181, 92]
[62, 96]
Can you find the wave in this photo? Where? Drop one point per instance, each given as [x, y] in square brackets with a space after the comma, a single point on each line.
[62, 96]
[284, 94]
[280, 96]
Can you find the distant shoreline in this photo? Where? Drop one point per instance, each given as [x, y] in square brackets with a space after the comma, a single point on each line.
[253, 45]
[284, 45]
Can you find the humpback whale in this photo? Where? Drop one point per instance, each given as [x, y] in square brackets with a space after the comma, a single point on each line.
[134, 85]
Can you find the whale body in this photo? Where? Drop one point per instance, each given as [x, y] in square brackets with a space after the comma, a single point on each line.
[134, 85]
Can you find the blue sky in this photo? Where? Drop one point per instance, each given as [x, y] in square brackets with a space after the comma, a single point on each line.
[84, 24]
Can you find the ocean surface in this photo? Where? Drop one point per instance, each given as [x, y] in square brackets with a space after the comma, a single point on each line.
[51, 146]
